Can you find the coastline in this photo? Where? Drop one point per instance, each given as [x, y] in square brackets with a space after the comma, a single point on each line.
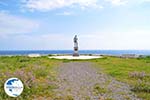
[70, 52]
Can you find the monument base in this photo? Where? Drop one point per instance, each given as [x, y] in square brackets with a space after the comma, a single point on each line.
[75, 54]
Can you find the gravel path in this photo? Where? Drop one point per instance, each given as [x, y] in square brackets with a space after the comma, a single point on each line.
[80, 81]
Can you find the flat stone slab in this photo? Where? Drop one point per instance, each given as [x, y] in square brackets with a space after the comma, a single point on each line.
[75, 57]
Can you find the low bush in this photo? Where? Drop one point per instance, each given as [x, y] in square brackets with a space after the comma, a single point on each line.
[136, 74]
[141, 86]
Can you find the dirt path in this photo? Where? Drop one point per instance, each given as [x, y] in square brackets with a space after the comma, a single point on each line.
[80, 81]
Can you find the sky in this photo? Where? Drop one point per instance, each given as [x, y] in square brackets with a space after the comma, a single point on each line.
[52, 24]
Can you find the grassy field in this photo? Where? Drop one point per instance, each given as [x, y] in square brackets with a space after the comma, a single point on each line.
[135, 72]
[39, 74]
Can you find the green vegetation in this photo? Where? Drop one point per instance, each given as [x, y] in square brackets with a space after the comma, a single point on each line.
[68, 97]
[37, 74]
[98, 89]
[135, 72]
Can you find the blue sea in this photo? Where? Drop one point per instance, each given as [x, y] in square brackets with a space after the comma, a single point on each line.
[101, 52]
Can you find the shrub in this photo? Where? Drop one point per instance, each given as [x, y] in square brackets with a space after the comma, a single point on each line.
[141, 86]
[99, 90]
[137, 74]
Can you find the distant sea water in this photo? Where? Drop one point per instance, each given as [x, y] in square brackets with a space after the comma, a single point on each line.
[101, 52]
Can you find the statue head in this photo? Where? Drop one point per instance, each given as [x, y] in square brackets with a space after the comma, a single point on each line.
[75, 38]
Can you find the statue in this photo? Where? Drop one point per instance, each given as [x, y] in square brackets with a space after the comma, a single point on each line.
[75, 40]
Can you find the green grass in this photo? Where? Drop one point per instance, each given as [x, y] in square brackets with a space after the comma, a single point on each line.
[37, 74]
[98, 89]
[121, 69]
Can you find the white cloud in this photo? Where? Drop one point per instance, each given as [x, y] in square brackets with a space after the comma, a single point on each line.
[146, 0]
[10, 24]
[65, 13]
[135, 39]
[46, 5]
[118, 2]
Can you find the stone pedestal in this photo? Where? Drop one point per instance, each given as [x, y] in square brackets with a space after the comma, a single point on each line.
[75, 51]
